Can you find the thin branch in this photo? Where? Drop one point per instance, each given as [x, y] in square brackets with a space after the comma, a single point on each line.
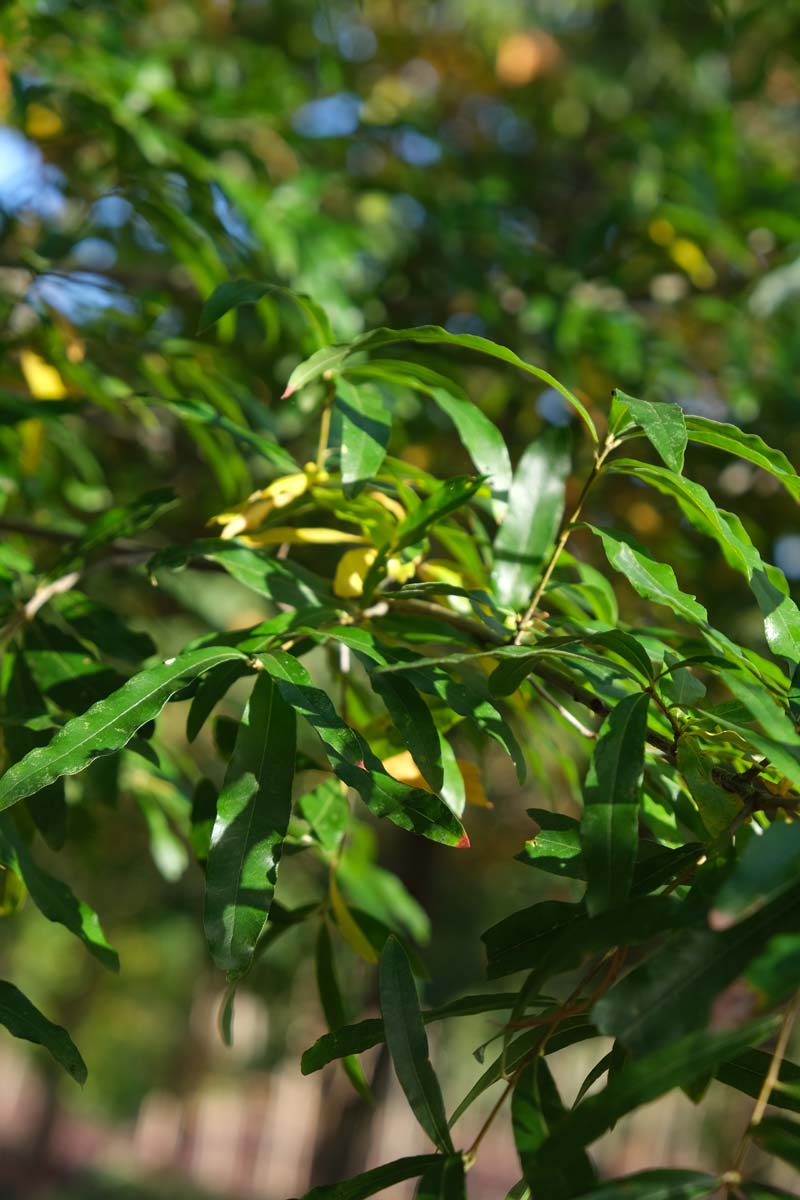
[770, 1080]
[582, 729]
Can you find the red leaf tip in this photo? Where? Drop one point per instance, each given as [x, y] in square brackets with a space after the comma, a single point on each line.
[362, 766]
[287, 392]
[464, 844]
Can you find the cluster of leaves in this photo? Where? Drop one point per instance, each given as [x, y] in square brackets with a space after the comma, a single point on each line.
[452, 604]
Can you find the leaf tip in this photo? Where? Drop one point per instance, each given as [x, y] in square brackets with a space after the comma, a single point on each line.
[287, 391]
[464, 843]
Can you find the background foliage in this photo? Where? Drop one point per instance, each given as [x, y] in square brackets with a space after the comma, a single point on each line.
[610, 190]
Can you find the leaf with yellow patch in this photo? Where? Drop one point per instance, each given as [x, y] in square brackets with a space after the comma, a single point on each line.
[348, 927]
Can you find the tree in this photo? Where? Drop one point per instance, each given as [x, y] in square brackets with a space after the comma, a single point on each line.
[415, 615]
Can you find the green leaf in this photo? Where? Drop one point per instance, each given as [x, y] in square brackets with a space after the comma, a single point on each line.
[662, 424]
[333, 1007]
[444, 1181]
[104, 629]
[365, 428]
[408, 1045]
[109, 724]
[446, 498]
[611, 797]
[331, 358]
[535, 509]
[211, 689]
[749, 446]
[653, 580]
[353, 1039]
[326, 809]
[780, 613]
[376, 1180]
[121, 521]
[413, 722]
[779, 1136]
[283, 582]
[717, 806]
[747, 1072]
[645, 1079]
[672, 992]
[556, 848]
[351, 758]
[54, 898]
[63, 668]
[768, 866]
[657, 1185]
[203, 815]
[23, 1020]
[234, 292]
[535, 1107]
[252, 817]
[200, 412]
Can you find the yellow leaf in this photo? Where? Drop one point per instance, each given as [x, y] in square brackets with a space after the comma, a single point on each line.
[41, 122]
[348, 926]
[260, 504]
[389, 503]
[403, 768]
[299, 537]
[352, 571]
[42, 379]
[473, 784]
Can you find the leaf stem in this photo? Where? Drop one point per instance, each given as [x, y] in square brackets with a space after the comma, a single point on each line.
[325, 422]
[599, 458]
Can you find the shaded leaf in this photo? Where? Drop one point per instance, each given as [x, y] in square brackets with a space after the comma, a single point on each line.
[23, 1020]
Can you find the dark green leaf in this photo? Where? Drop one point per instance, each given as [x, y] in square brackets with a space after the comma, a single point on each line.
[745, 445]
[535, 1107]
[779, 1136]
[657, 1185]
[408, 1044]
[23, 1020]
[234, 292]
[747, 1072]
[252, 817]
[365, 428]
[609, 827]
[446, 498]
[376, 1180]
[109, 724]
[333, 1007]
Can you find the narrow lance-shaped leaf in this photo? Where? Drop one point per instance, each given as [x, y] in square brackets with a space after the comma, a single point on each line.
[768, 585]
[748, 446]
[109, 724]
[446, 498]
[609, 827]
[376, 1180]
[233, 292]
[54, 898]
[252, 817]
[331, 358]
[657, 1185]
[351, 758]
[408, 1044]
[24, 1020]
[645, 1079]
[365, 425]
[535, 509]
[663, 425]
[653, 580]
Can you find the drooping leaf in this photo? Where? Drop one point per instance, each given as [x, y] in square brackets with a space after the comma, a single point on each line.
[609, 826]
[353, 761]
[54, 898]
[331, 358]
[748, 446]
[408, 1044]
[23, 1020]
[109, 724]
[535, 509]
[252, 817]
[653, 580]
[233, 292]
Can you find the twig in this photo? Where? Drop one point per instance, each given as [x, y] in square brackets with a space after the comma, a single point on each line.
[562, 711]
[770, 1080]
[39, 598]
